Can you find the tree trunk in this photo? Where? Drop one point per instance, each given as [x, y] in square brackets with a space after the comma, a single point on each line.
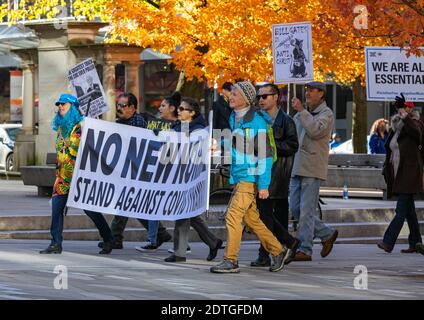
[359, 117]
[194, 89]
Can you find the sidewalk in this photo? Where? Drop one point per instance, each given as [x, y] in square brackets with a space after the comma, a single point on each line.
[128, 274]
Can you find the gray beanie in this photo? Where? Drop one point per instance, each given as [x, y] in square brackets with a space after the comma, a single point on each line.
[248, 91]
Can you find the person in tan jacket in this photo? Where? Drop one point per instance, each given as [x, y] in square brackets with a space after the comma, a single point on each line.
[314, 125]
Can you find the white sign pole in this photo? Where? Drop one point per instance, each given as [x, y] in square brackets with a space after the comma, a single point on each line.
[209, 157]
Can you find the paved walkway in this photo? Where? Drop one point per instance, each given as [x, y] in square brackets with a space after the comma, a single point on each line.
[127, 274]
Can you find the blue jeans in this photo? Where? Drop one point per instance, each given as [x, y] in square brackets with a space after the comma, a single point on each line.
[152, 233]
[304, 196]
[56, 228]
[405, 209]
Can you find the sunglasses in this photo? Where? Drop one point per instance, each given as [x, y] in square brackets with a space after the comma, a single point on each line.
[264, 96]
[121, 105]
[182, 109]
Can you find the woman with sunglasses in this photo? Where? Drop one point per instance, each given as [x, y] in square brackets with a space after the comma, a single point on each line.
[189, 113]
[67, 124]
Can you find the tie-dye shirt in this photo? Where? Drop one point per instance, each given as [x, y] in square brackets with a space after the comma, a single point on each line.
[66, 154]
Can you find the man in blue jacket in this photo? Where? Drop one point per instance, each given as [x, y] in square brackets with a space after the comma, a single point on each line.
[251, 164]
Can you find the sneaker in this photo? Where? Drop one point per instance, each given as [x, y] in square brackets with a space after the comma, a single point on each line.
[174, 258]
[279, 261]
[147, 247]
[171, 250]
[226, 266]
[420, 248]
[261, 262]
[52, 249]
[115, 244]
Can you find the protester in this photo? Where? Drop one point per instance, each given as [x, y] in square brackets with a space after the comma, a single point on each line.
[274, 211]
[189, 113]
[403, 172]
[67, 124]
[378, 136]
[314, 125]
[168, 113]
[221, 108]
[126, 110]
[249, 173]
[336, 140]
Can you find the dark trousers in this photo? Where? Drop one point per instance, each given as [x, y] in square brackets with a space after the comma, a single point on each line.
[405, 209]
[274, 213]
[119, 223]
[181, 233]
[58, 210]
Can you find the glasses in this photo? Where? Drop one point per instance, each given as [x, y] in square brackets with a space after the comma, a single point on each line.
[264, 96]
[182, 109]
[121, 105]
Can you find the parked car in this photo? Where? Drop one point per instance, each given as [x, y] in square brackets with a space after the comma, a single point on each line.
[8, 134]
[347, 147]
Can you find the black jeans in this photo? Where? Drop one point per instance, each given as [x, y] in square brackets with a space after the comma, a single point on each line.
[274, 213]
[405, 209]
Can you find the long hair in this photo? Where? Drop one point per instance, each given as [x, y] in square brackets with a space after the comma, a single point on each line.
[376, 124]
[67, 122]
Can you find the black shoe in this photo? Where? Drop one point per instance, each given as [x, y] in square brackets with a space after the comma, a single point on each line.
[226, 266]
[161, 240]
[107, 247]
[52, 249]
[261, 262]
[147, 247]
[115, 244]
[279, 261]
[293, 249]
[213, 252]
[174, 258]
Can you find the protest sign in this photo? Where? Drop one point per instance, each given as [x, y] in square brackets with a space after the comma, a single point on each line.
[88, 88]
[129, 171]
[390, 72]
[292, 52]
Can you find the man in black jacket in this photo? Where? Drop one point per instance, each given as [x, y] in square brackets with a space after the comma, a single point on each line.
[221, 108]
[274, 211]
[128, 115]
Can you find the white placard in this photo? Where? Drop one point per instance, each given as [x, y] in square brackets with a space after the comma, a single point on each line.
[389, 72]
[292, 52]
[129, 171]
[88, 88]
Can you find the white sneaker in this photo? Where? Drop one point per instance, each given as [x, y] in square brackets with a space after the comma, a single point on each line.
[171, 250]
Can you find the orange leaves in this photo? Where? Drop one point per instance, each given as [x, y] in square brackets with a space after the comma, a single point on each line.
[221, 40]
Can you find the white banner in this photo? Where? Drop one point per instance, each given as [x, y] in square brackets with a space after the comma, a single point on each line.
[129, 171]
[292, 52]
[390, 72]
[88, 88]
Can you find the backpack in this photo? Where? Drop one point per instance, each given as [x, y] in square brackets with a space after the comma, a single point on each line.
[270, 133]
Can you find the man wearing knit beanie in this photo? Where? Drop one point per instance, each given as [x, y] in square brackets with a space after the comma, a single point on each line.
[249, 172]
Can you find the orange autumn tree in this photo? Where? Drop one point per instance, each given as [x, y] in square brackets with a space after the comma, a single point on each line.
[220, 40]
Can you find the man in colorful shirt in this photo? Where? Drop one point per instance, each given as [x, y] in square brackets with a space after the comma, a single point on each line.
[67, 124]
